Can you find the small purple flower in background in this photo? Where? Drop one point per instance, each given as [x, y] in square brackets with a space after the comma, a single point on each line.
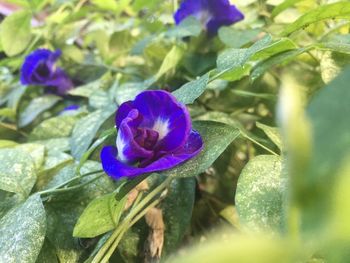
[71, 109]
[211, 13]
[39, 69]
[154, 134]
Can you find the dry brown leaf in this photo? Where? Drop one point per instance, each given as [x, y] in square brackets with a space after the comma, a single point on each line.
[143, 186]
[155, 240]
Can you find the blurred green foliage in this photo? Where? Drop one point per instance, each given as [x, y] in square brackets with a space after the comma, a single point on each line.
[269, 95]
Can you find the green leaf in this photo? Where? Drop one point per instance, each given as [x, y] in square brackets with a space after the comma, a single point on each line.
[170, 61]
[332, 64]
[334, 46]
[120, 42]
[109, 5]
[17, 171]
[8, 112]
[259, 194]
[189, 92]
[128, 91]
[61, 217]
[278, 46]
[234, 38]
[22, 232]
[98, 142]
[235, 74]
[234, 58]
[232, 63]
[141, 4]
[64, 210]
[328, 113]
[188, 27]
[86, 90]
[273, 133]
[35, 108]
[88, 72]
[36, 151]
[7, 143]
[219, 116]
[15, 33]
[56, 127]
[99, 217]
[197, 64]
[7, 201]
[177, 212]
[226, 246]
[15, 95]
[216, 137]
[283, 6]
[86, 128]
[284, 57]
[88, 193]
[57, 144]
[340, 199]
[47, 253]
[155, 51]
[55, 159]
[99, 99]
[330, 11]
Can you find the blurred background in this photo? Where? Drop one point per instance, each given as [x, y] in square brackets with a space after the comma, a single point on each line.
[279, 192]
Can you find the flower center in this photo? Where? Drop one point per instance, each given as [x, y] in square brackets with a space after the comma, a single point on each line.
[146, 138]
[42, 71]
[161, 127]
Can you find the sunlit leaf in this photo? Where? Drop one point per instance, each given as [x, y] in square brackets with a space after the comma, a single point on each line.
[36, 107]
[216, 137]
[335, 10]
[15, 32]
[22, 232]
[100, 216]
[259, 194]
[86, 128]
[17, 171]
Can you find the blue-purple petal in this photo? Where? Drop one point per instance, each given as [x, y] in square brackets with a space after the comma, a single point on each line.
[154, 134]
[227, 16]
[71, 107]
[61, 81]
[129, 150]
[212, 13]
[161, 112]
[117, 169]
[34, 59]
[39, 69]
[188, 8]
[123, 112]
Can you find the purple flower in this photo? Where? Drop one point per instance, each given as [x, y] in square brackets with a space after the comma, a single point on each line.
[39, 69]
[154, 134]
[211, 13]
[71, 107]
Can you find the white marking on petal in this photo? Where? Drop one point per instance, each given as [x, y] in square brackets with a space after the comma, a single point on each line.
[162, 127]
[120, 146]
[203, 16]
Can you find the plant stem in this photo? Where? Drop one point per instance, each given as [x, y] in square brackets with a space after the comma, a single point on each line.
[68, 189]
[258, 143]
[105, 248]
[125, 228]
[58, 187]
